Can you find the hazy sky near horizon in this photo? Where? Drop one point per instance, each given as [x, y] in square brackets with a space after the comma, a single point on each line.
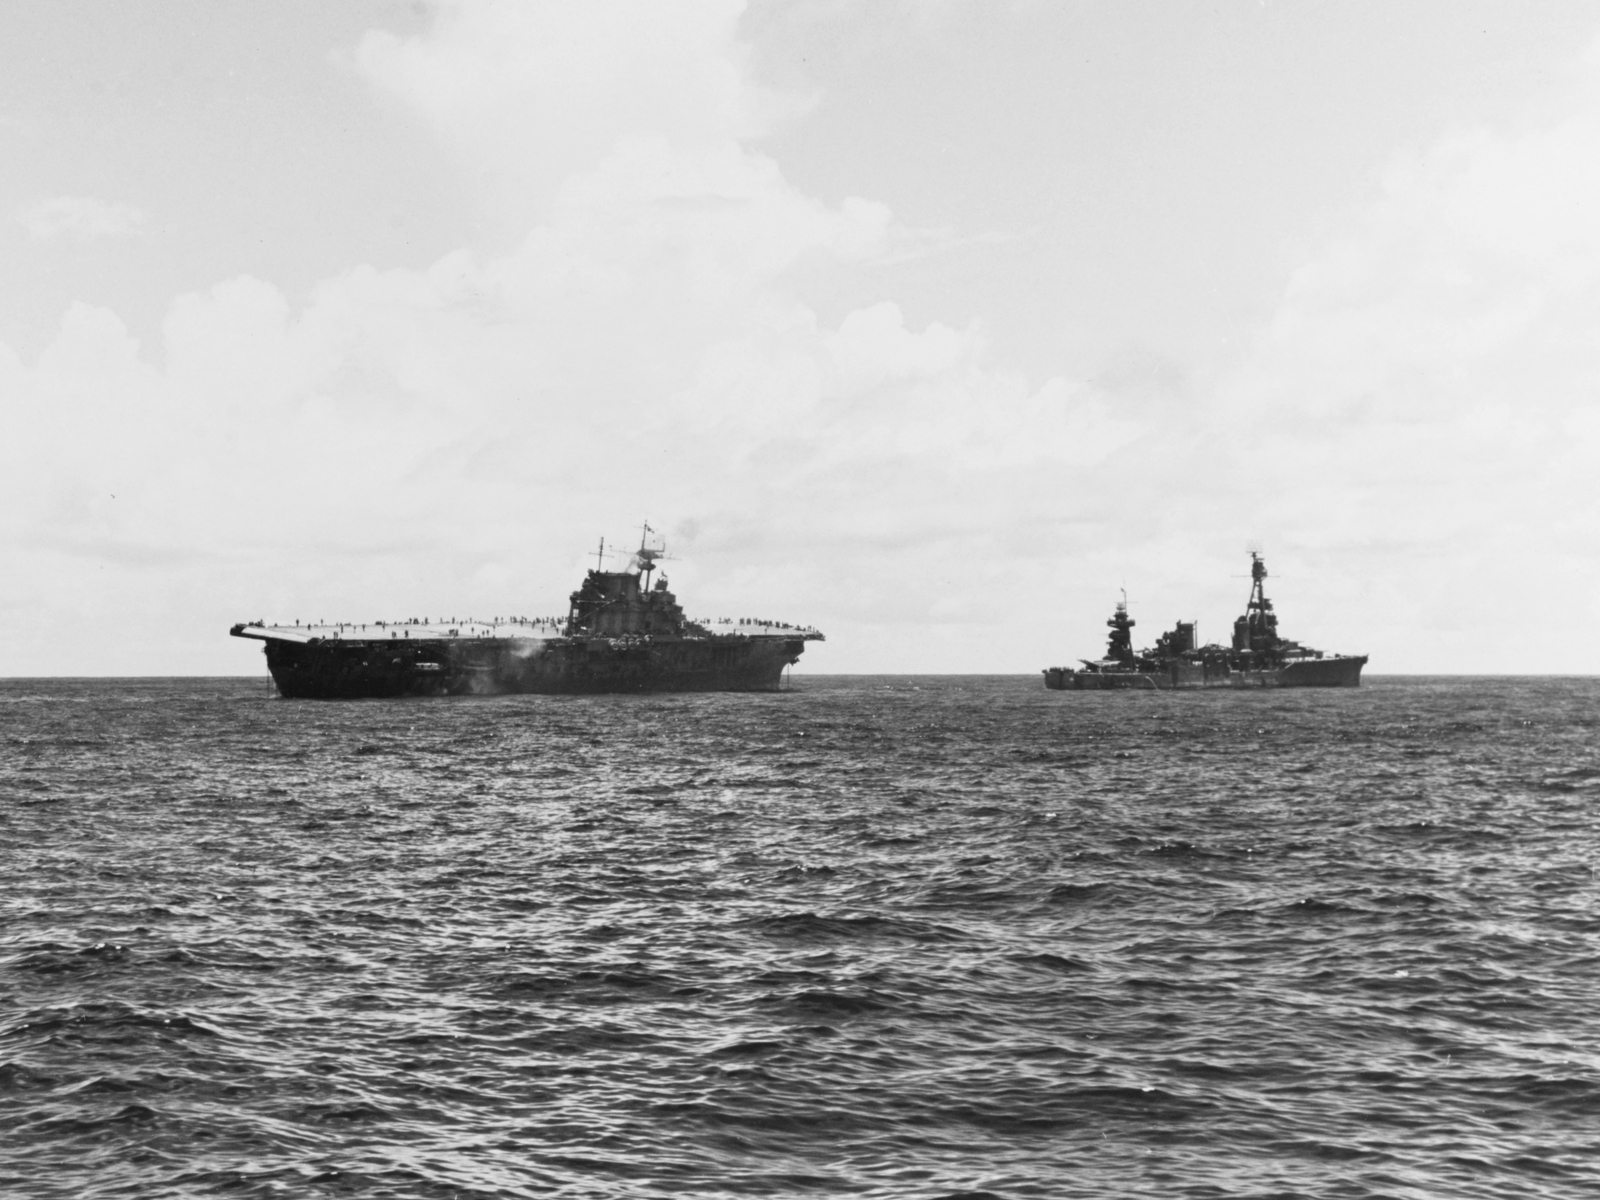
[932, 324]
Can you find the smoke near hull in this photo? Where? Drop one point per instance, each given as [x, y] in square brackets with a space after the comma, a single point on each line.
[622, 634]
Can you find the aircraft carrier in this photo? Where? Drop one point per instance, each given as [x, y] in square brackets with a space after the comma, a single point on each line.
[621, 633]
[1257, 657]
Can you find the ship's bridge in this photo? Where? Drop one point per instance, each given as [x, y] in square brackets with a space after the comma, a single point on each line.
[613, 604]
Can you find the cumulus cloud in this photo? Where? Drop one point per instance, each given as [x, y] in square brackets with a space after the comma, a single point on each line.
[82, 217]
[529, 94]
[1424, 403]
[639, 351]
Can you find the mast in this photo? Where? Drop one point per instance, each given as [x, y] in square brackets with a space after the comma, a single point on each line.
[1258, 572]
[1119, 647]
[1257, 630]
[647, 557]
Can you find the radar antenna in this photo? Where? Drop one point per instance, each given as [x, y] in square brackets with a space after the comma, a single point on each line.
[652, 549]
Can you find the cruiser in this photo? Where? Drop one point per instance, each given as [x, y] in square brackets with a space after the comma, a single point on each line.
[1258, 657]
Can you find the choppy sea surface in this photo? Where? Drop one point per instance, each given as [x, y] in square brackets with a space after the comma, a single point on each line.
[880, 937]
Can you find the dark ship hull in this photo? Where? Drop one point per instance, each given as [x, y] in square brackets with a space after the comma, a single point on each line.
[1337, 672]
[352, 670]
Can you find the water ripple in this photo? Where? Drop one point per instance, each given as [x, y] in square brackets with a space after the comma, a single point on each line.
[930, 938]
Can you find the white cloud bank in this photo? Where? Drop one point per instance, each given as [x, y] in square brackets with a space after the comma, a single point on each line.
[1416, 425]
[409, 440]
[1427, 399]
[81, 217]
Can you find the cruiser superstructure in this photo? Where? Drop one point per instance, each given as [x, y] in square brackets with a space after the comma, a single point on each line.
[1257, 657]
[622, 633]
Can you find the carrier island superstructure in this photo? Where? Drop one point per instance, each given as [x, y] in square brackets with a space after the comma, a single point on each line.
[622, 633]
[1257, 657]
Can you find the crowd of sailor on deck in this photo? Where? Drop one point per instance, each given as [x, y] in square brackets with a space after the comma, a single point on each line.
[757, 625]
[540, 626]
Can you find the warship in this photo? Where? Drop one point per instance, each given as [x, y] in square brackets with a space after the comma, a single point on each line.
[621, 634]
[1258, 657]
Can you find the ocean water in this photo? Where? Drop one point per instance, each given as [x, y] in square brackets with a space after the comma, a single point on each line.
[877, 937]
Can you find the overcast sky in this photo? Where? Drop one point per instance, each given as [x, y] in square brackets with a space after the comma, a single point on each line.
[932, 324]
